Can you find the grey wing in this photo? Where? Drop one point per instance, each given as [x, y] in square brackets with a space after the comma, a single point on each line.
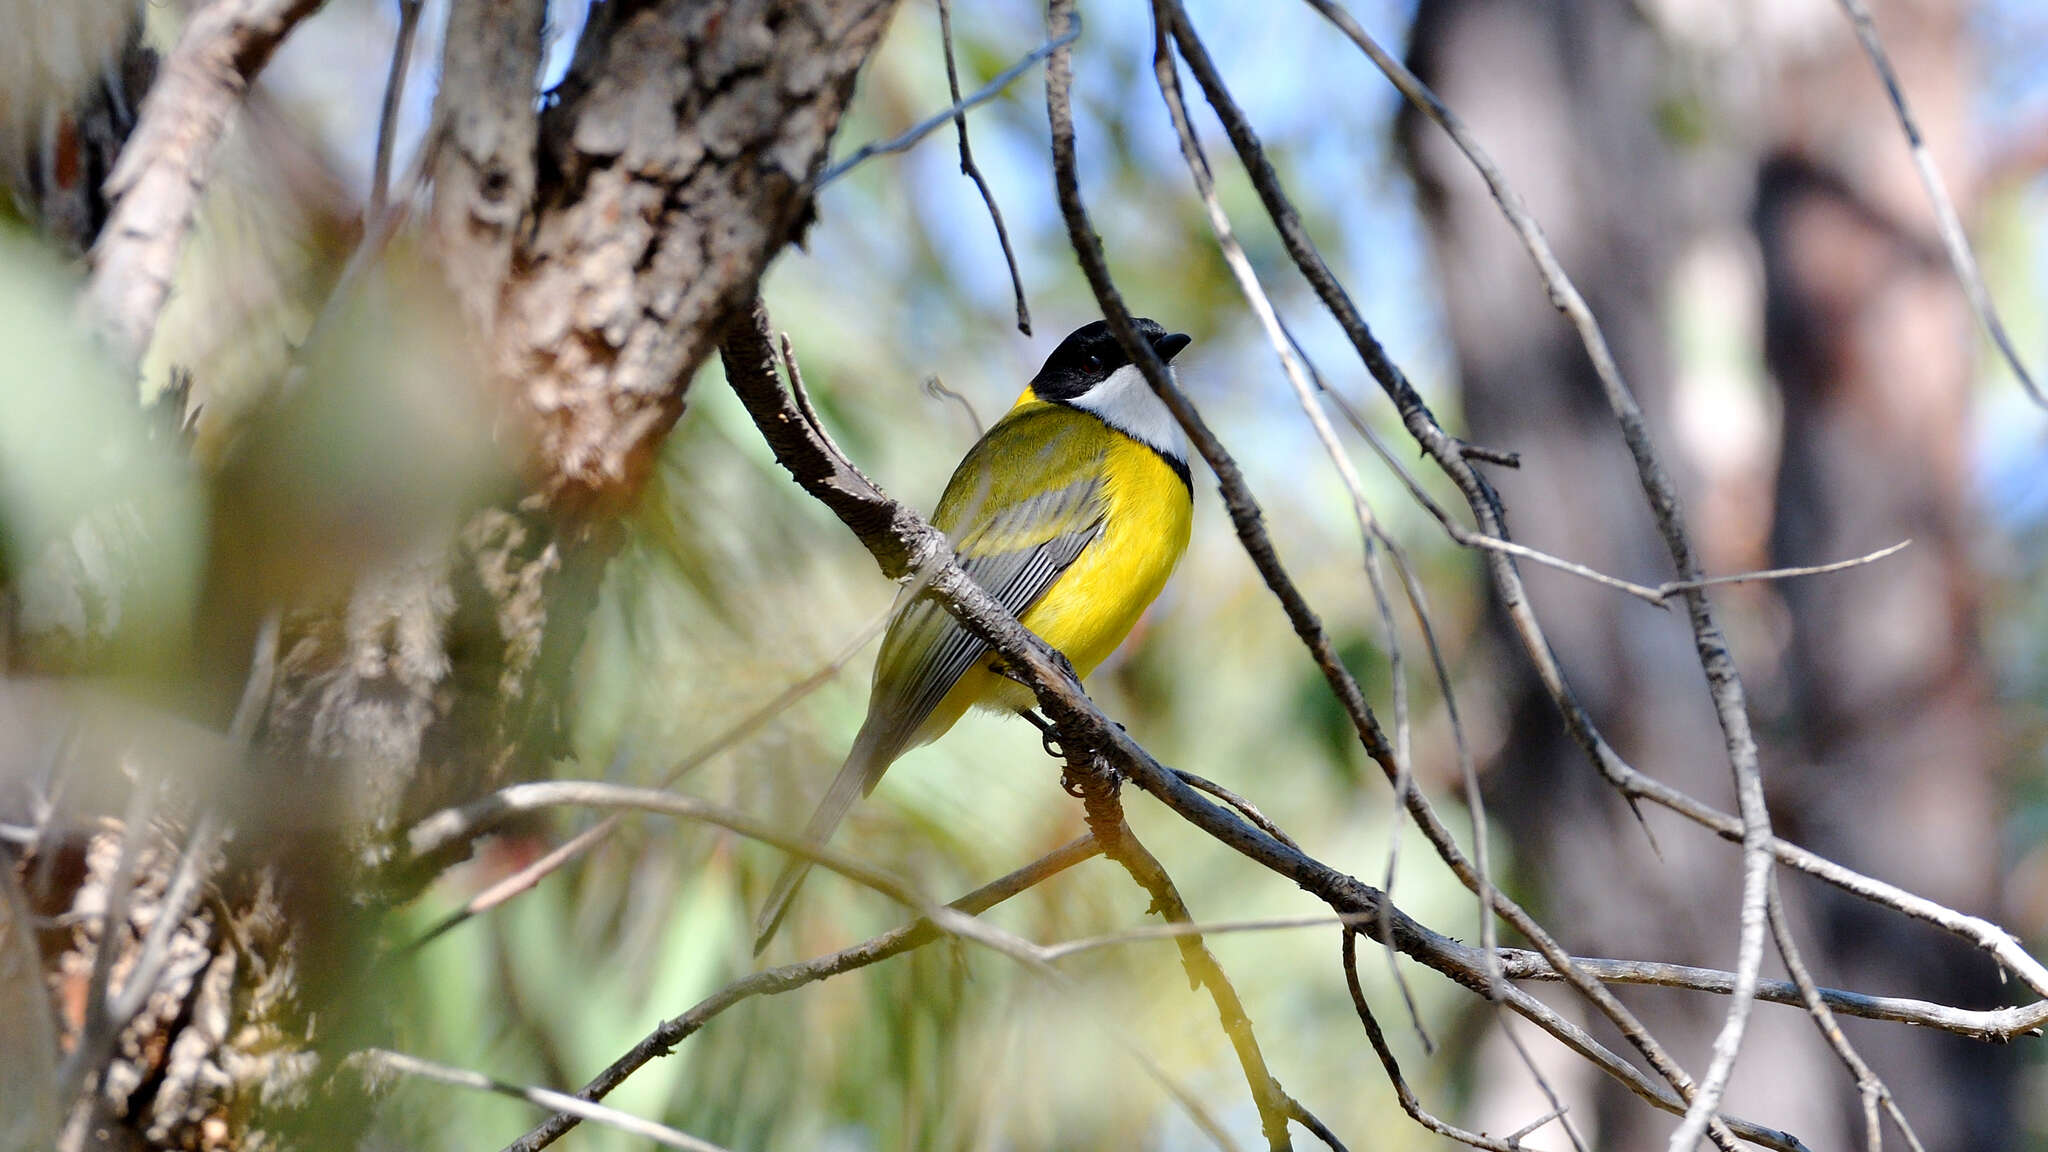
[927, 651]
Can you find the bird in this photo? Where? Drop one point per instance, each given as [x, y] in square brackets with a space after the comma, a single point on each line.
[1071, 511]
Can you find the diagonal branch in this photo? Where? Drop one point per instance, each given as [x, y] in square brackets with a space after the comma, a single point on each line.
[790, 977]
[1091, 777]
[156, 184]
[1947, 222]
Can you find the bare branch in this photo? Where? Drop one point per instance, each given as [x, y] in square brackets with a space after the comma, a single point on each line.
[1723, 679]
[1409, 1104]
[1294, 364]
[387, 116]
[1946, 221]
[401, 1064]
[907, 139]
[1868, 1084]
[1089, 775]
[1998, 1025]
[973, 172]
[1088, 248]
[790, 977]
[156, 183]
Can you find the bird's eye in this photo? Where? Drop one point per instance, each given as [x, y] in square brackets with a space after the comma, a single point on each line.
[1094, 363]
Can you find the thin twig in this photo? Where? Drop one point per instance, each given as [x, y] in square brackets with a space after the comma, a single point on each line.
[401, 1064]
[524, 880]
[790, 977]
[387, 116]
[1871, 1087]
[1650, 1091]
[256, 686]
[171, 911]
[1946, 221]
[972, 172]
[1244, 807]
[1664, 591]
[923, 128]
[1999, 1025]
[1089, 775]
[1559, 1111]
[1418, 603]
[783, 701]
[1392, 1066]
[937, 390]
[1310, 1121]
[803, 398]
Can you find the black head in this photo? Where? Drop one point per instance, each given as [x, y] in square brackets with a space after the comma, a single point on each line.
[1090, 353]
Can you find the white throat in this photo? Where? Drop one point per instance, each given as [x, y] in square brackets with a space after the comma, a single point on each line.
[1126, 403]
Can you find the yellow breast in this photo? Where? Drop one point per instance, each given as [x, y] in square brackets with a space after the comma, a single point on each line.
[1091, 608]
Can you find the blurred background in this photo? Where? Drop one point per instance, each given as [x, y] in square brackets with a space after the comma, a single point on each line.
[1729, 187]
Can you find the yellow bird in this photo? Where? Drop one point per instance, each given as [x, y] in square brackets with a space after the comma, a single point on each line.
[1072, 511]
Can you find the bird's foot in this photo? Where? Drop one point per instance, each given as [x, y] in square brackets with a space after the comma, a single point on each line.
[1048, 736]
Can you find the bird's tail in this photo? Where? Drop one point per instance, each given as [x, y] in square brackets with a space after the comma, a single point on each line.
[856, 778]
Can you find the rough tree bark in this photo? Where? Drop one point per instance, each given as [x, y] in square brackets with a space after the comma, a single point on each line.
[1872, 357]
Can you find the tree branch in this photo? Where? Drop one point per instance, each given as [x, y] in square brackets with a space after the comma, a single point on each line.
[674, 166]
[902, 542]
[158, 180]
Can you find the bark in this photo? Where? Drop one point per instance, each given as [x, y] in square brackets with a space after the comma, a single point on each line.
[484, 160]
[1894, 747]
[648, 236]
[593, 252]
[156, 182]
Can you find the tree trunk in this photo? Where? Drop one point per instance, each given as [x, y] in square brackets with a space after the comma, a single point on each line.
[1893, 744]
[592, 252]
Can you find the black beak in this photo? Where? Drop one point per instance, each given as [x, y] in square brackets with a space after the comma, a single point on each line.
[1169, 345]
